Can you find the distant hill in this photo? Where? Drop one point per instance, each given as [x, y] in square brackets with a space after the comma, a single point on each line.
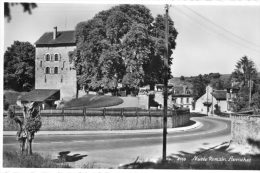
[227, 76]
[223, 77]
[176, 81]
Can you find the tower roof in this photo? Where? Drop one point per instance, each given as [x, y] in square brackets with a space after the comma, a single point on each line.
[63, 38]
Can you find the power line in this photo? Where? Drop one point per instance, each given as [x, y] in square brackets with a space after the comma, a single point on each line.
[218, 26]
[213, 31]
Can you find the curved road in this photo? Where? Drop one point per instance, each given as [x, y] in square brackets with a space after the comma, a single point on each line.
[110, 150]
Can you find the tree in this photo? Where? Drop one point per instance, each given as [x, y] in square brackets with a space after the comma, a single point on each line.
[245, 70]
[199, 85]
[136, 52]
[241, 102]
[123, 44]
[27, 7]
[28, 125]
[256, 100]
[217, 84]
[19, 66]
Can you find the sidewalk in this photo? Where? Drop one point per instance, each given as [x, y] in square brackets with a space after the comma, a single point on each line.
[178, 129]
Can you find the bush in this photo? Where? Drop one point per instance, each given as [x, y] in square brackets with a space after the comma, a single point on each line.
[217, 110]
[6, 105]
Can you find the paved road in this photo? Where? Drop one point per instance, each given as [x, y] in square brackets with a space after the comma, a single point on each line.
[110, 150]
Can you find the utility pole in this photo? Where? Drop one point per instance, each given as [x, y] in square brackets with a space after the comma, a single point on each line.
[250, 91]
[165, 108]
[207, 90]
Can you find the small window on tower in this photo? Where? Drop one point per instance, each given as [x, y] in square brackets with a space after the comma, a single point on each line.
[56, 57]
[41, 64]
[47, 70]
[47, 57]
[56, 70]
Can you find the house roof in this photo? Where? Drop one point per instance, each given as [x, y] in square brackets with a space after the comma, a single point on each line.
[63, 38]
[39, 95]
[220, 94]
[11, 96]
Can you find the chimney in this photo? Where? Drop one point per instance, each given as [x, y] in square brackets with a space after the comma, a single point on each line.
[54, 32]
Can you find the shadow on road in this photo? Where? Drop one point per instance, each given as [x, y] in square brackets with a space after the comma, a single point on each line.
[65, 157]
[190, 123]
[195, 114]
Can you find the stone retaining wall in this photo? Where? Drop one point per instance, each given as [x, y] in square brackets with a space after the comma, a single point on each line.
[244, 127]
[117, 122]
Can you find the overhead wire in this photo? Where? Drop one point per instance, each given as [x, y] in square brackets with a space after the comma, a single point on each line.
[210, 29]
[221, 27]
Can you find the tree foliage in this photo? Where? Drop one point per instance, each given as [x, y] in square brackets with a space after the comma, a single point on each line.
[27, 7]
[244, 71]
[19, 60]
[123, 44]
[200, 83]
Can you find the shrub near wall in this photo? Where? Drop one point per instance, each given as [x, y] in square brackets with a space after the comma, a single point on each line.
[95, 120]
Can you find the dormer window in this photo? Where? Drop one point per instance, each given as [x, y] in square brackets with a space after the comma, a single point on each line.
[47, 57]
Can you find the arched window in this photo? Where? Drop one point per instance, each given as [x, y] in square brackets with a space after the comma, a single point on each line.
[55, 70]
[47, 70]
[56, 57]
[47, 57]
[41, 64]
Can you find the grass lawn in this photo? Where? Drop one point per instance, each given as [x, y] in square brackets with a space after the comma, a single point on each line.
[93, 101]
[219, 159]
[13, 159]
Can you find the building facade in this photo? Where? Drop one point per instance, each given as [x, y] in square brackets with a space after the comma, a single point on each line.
[54, 67]
[182, 97]
[206, 103]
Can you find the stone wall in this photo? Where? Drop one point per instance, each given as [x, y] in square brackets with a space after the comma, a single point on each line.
[244, 127]
[110, 122]
[143, 101]
[158, 97]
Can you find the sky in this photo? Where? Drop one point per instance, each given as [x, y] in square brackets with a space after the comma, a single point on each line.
[211, 38]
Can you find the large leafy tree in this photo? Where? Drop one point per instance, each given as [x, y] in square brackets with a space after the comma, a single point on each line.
[19, 63]
[123, 44]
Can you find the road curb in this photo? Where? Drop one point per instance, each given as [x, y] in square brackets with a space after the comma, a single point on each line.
[169, 130]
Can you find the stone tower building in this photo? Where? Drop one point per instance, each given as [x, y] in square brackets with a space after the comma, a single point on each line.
[54, 68]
